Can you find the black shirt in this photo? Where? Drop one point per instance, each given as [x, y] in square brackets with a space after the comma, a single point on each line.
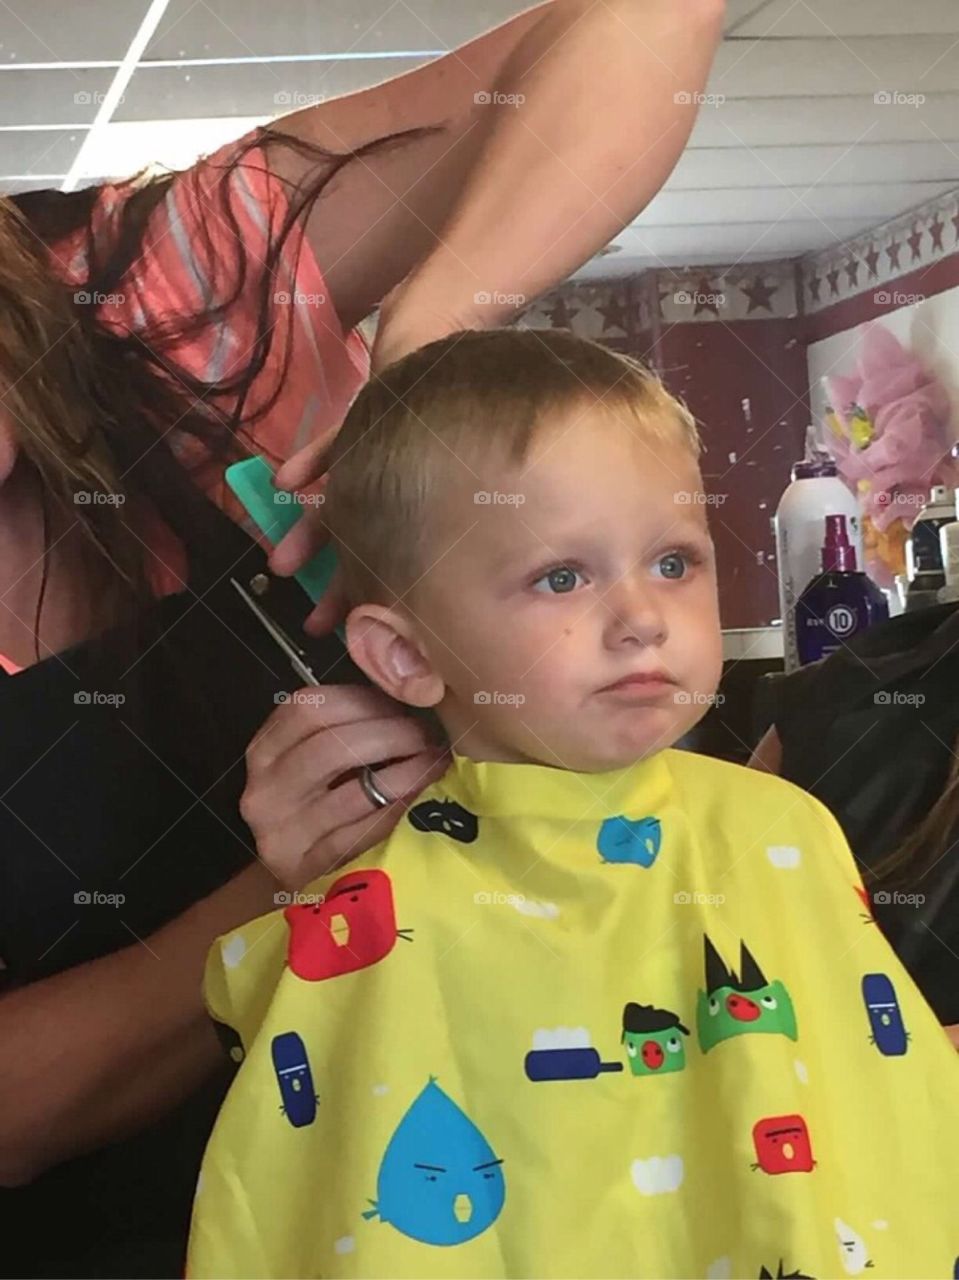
[140, 799]
[872, 732]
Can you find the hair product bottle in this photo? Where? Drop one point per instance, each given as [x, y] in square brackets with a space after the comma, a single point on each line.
[815, 492]
[924, 563]
[839, 602]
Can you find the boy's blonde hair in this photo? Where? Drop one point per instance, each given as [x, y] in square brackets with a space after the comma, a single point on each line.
[460, 402]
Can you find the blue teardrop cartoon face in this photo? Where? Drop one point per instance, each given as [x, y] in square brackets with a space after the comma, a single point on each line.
[440, 1181]
[634, 840]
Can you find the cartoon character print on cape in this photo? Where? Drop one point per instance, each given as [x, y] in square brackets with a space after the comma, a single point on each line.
[445, 817]
[889, 1033]
[230, 1041]
[783, 1145]
[565, 1053]
[295, 1079]
[439, 1181]
[352, 928]
[630, 840]
[653, 1040]
[740, 1004]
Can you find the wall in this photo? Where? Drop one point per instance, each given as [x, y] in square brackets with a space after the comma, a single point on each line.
[903, 273]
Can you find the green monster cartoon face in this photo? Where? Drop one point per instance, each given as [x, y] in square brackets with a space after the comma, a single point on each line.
[653, 1040]
[743, 1004]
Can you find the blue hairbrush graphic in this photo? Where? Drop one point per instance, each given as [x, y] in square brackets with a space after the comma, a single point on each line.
[635, 840]
[889, 1034]
[440, 1181]
[295, 1079]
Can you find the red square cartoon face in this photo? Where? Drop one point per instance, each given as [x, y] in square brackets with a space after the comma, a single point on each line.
[354, 927]
[782, 1145]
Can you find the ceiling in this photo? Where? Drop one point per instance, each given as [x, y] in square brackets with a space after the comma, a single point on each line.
[796, 155]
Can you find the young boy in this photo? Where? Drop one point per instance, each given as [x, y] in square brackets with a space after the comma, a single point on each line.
[596, 1008]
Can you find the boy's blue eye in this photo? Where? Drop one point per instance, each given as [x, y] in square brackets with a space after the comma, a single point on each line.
[673, 565]
[559, 581]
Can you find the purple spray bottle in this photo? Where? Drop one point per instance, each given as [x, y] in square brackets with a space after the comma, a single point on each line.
[838, 603]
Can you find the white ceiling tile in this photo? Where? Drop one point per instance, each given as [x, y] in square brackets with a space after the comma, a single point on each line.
[844, 18]
[774, 68]
[804, 166]
[777, 122]
[865, 204]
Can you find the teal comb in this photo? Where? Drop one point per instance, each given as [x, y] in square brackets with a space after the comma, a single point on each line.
[275, 512]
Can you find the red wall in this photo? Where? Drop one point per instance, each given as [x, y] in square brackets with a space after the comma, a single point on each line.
[713, 367]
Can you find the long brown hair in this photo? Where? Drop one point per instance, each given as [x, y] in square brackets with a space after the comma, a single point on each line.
[934, 836]
[91, 407]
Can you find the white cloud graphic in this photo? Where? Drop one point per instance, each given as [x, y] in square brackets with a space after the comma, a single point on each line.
[657, 1174]
[561, 1038]
[783, 855]
[233, 950]
[543, 910]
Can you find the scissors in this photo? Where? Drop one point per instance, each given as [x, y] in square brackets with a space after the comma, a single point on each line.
[296, 655]
[364, 774]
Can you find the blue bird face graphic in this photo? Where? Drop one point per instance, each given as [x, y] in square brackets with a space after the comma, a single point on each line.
[439, 1182]
[634, 840]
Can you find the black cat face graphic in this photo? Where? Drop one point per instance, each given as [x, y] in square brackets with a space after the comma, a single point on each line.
[447, 818]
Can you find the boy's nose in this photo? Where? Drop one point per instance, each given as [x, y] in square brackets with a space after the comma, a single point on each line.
[635, 615]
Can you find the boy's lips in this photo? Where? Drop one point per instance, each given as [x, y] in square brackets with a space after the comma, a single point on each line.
[650, 681]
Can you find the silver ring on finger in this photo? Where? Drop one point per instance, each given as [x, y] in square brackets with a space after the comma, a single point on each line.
[372, 792]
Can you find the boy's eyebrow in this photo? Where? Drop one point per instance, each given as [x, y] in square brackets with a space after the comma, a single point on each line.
[437, 1168]
[490, 1164]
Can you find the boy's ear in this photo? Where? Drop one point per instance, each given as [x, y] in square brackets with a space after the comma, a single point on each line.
[383, 644]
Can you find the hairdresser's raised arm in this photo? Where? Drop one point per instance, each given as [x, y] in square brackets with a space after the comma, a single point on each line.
[555, 130]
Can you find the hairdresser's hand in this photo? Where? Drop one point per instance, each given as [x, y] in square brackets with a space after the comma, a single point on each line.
[411, 315]
[304, 825]
[953, 1034]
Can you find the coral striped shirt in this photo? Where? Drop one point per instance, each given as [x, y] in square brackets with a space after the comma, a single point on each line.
[188, 252]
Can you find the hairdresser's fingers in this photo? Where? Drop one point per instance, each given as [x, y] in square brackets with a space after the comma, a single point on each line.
[305, 467]
[331, 609]
[315, 710]
[333, 829]
[301, 544]
[320, 761]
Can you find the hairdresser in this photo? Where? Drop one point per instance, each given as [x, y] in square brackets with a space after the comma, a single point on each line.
[150, 333]
[873, 732]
